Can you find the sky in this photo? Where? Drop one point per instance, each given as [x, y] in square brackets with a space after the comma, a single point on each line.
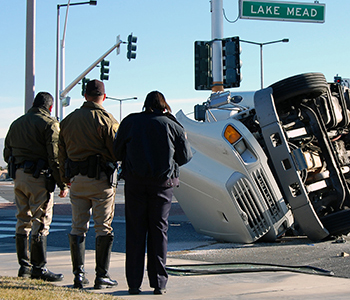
[166, 32]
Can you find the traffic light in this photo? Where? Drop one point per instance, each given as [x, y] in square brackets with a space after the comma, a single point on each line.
[131, 54]
[84, 81]
[231, 51]
[203, 65]
[338, 79]
[104, 70]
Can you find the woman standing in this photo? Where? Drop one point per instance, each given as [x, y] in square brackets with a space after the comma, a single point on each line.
[152, 145]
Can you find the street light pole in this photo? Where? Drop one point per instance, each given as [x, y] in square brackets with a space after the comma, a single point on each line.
[30, 55]
[60, 48]
[57, 96]
[120, 101]
[261, 67]
[261, 54]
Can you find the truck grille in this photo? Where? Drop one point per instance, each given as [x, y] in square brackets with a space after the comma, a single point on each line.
[271, 204]
[253, 213]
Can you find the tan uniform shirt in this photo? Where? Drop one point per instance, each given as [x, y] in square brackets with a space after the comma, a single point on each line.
[87, 131]
[34, 136]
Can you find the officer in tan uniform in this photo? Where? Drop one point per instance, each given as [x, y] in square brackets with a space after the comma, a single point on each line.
[86, 154]
[31, 151]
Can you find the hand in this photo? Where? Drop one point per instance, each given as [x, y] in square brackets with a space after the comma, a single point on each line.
[63, 193]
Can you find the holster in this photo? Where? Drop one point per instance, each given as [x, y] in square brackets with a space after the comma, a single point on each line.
[12, 167]
[71, 168]
[98, 167]
[39, 167]
[50, 182]
[67, 171]
[93, 166]
[111, 171]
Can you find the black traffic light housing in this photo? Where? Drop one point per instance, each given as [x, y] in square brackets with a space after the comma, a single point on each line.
[338, 79]
[131, 54]
[203, 63]
[104, 70]
[231, 51]
[84, 81]
[203, 77]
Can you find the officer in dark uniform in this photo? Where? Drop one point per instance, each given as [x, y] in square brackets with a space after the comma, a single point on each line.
[31, 150]
[151, 145]
[88, 162]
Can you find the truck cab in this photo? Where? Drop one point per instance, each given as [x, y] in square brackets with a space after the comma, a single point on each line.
[268, 161]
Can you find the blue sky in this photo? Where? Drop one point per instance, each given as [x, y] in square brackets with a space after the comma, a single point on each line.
[166, 32]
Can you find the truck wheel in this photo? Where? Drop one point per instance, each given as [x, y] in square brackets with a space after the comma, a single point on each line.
[298, 87]
[337, 223]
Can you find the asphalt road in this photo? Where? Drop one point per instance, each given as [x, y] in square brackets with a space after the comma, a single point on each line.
[186, 243]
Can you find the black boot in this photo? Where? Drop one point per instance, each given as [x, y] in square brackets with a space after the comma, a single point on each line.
[38, 260]
[22, 254]
[77, 251]
[103, 256]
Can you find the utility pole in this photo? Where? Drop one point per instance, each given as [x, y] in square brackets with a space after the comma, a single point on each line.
[30, 56]
[217, 33]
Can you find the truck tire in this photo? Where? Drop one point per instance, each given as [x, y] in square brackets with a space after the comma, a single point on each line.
[298, 87]
[337, 223]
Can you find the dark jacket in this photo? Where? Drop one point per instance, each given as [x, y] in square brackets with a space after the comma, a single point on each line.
[34, 136]
[151, 146]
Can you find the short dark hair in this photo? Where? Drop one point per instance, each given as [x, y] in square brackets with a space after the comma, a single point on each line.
[156, 100]
[43, 100]
[95, 88]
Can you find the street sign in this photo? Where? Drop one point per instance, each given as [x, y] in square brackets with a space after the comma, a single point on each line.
[282, 11]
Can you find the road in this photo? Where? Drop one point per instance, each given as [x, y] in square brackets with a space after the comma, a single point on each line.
[185, 242]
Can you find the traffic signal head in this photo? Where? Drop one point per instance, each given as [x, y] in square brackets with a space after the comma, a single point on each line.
[131, 54]
[231, 51]
[104, 70]
[338, 79]
[203, 65]
[231, 64]
[84, 81]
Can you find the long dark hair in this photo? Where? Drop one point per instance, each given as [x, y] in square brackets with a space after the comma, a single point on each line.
[156, 101]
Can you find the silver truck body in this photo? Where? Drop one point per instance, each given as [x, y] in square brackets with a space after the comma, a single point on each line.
[269, 161]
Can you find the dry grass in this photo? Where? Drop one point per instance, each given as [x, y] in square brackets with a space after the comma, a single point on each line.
[30, 289]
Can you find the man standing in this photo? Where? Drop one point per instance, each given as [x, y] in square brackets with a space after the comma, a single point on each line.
[31, 151]
[151, 145]
[86, 154]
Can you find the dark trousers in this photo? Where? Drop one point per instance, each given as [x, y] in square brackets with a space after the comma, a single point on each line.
[146, 212]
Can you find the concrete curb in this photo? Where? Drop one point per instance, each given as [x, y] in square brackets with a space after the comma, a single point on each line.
[259, 285]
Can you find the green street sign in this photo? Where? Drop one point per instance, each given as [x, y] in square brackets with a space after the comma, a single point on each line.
[282, 11]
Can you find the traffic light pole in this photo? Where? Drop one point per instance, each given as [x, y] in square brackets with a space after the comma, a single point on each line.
[30, 55]
[82, 75]
[217, 33]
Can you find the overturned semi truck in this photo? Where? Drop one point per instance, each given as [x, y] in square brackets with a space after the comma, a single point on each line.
[270, 161]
